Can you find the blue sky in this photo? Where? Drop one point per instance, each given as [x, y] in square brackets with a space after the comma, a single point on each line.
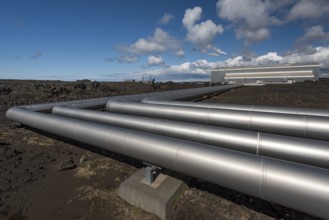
[165, 39]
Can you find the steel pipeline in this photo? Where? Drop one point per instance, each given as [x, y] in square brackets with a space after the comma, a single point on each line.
[314, 127]
[311, 152]
[286, 183]
[98, 103]
[298, 186]
[251, 108]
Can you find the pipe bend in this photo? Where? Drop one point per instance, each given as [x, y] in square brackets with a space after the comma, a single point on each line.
[54, 109]
[10, 113]
[108, 104]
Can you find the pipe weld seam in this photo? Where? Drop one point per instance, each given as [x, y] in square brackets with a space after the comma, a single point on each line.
[258, 143]
[250, 119]
[124, 141]
[261, 178]
[207, 118]
[305, 133]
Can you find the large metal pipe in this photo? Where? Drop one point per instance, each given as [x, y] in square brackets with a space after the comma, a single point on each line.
[298, 186]
[98, 103]
[251, 108]
[311, 152]
[313, 127]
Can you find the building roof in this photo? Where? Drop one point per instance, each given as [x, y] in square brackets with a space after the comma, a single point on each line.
[295, 65]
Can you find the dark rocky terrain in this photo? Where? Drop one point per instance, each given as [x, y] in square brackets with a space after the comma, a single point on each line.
[44, 177]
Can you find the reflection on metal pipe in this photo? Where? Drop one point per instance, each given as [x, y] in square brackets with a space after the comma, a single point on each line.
[301, 187]
[299, 150]
[313, 127]
[251, 108]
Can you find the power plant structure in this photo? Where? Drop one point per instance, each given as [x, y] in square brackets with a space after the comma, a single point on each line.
[288, 73]
[280, 155]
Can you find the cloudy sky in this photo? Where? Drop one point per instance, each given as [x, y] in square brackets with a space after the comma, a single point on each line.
[165, 39]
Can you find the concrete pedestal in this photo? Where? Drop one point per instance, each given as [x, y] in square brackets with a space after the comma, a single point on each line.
[159, 197]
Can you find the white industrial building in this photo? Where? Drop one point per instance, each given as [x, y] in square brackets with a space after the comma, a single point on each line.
[288, 73]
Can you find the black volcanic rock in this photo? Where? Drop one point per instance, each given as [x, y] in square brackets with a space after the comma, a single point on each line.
[5, 90]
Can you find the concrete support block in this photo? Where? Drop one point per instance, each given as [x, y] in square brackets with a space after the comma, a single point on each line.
[159, 197]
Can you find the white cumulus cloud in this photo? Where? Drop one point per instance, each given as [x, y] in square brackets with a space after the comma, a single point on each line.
[155, 60]
[124, 59]
[255, 13]
[201, 34]
[144, 46]
[216, 52]
[320, 55]
[166, 18]
[252, 36]
[313, 33]
[251, 18]
[235, 61]
[269, 59]
[306, 9]
[179, 53]
[160, 42]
